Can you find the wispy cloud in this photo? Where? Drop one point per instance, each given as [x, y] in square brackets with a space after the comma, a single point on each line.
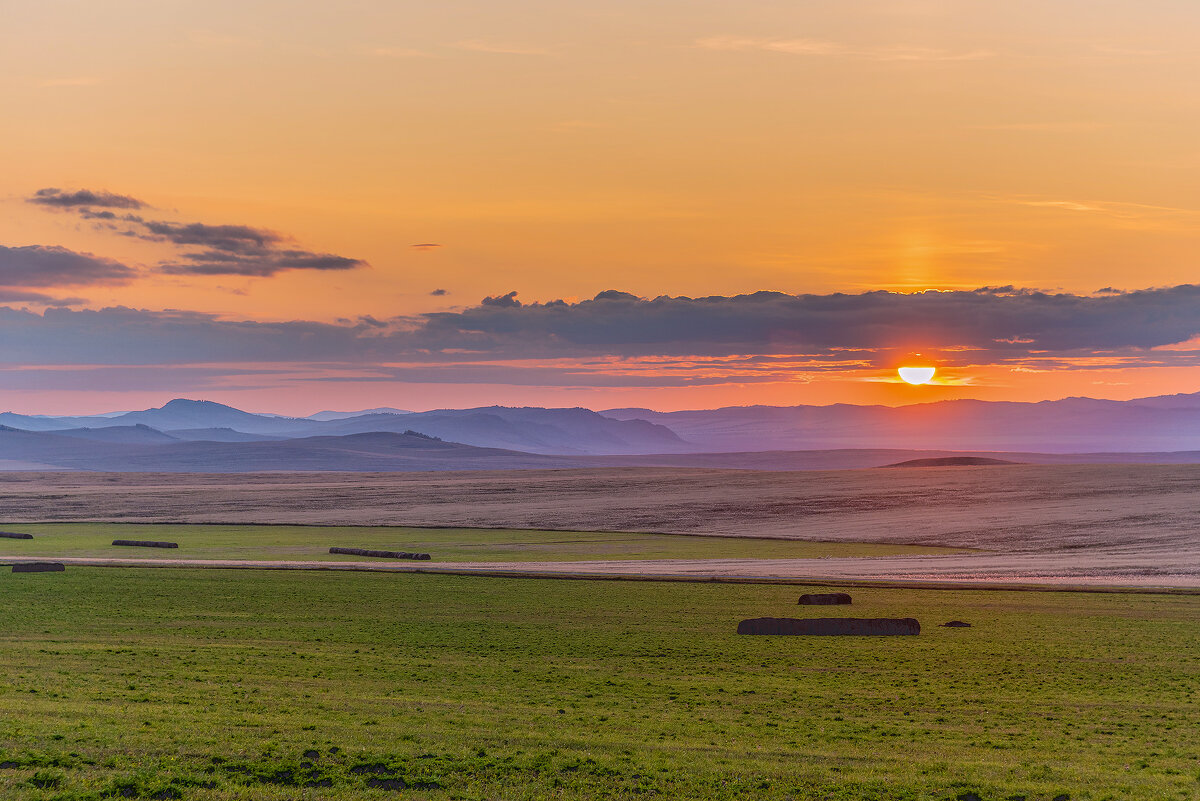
[59, 199]
[203, 249]
[820, 47]
[1121, 210]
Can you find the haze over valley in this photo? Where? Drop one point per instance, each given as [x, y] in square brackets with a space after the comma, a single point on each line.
[187, 435]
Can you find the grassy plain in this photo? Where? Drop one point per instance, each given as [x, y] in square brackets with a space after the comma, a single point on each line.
[216, 684]
[312, 543]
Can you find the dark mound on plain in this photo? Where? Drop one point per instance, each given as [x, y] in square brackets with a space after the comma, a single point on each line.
[831, 626]
[38, 567]
[146, 543]
[956, 624]
[423, 557]
[952, 461]
[824, 599]
[14, 535]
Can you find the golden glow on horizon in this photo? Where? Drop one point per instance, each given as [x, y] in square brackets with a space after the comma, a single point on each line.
[917, 375]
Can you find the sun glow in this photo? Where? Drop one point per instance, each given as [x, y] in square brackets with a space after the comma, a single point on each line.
[917, 375]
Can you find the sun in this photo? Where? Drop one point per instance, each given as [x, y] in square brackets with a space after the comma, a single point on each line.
[917, 375]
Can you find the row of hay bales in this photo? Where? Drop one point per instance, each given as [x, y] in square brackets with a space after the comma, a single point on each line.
[20, 535]
[421, 557]
[59, 567]
[830, 626]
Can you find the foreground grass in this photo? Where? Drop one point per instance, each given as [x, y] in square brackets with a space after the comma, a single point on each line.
[234, 684]
[445, 545]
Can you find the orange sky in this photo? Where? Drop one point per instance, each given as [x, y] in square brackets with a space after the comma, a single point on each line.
[564, 148]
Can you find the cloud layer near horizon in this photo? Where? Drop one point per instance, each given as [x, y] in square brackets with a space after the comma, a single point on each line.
[985, 326]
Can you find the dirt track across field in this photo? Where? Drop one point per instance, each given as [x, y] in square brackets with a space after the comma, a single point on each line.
[938, 573]
[1096, 524]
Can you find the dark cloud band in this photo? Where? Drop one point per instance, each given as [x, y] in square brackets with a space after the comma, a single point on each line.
[1004, 319]
[987, 326]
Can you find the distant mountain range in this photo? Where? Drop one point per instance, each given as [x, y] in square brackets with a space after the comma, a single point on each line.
[1072, 425]
[196, 435]
[532, 430]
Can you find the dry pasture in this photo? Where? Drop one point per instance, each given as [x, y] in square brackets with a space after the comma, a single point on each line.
[1136, 523]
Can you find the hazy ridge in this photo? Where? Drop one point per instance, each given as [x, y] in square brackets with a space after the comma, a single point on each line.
[203, 436]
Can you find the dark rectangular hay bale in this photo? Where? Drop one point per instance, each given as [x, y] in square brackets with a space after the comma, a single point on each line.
[14, 535]
[146, 543]
[831, 626]
[38, 567]
[379, 554]
[824, 599]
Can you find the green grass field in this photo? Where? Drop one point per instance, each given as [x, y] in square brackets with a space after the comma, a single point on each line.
[251, 685]
[305, 543]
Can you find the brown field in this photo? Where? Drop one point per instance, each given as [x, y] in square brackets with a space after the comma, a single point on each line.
[1076, 524]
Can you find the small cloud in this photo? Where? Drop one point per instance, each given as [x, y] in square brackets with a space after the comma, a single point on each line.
[437, 293]
[425, 245]
[484, 46]
[508, 301]
[57, 198]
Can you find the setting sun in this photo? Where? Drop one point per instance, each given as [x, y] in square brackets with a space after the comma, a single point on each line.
[917, 375]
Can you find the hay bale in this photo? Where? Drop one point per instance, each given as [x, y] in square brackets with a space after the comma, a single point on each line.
[956, 624]
[13, 535]
[379, 554]
[831, 626]
[146, 543]
[38, 567]
[824, 599]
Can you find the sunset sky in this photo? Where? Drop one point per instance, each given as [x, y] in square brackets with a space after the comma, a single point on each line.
[294, 206]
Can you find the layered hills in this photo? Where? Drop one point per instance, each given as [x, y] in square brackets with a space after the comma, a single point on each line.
[196, 435]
